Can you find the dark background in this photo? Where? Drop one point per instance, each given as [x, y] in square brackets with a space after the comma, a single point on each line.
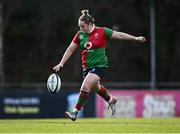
[37, 32]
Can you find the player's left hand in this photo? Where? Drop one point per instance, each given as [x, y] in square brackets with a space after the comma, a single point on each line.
[141, 39]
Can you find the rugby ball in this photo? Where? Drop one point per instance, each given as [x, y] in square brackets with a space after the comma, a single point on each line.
[54, 83]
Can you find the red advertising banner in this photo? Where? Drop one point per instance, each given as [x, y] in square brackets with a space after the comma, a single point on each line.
[141, 103]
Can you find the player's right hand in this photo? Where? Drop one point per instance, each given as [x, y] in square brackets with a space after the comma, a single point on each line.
[57, 67]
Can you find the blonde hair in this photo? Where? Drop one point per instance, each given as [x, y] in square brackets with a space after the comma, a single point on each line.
[86, 17]
[85, 12]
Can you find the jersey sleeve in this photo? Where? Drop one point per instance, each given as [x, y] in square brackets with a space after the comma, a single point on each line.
[76, 39]
[108, 32]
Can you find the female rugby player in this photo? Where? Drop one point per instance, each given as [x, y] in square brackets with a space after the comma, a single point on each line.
[92, 42]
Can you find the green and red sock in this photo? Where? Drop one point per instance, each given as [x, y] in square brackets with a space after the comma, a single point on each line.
[81, 100]
[103, 93]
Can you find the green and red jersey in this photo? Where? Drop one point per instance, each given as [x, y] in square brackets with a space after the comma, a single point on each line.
[93, 46]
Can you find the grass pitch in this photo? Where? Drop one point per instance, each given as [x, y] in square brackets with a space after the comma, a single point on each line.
[91, 125]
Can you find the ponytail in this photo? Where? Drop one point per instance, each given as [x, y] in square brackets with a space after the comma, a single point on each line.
[86, 17]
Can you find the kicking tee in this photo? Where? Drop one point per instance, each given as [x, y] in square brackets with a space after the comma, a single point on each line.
[93, 46]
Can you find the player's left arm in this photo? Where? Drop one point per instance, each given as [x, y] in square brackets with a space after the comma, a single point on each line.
[125, 36]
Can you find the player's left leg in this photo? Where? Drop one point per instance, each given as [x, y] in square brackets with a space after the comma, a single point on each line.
[102, 91]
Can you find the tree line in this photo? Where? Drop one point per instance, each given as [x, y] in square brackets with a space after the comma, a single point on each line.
[37, 32]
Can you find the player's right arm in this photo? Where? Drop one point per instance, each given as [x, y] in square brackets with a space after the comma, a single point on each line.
[69, 51]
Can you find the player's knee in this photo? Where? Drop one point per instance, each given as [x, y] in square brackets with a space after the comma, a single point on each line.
[85, 88]
[95, 89]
